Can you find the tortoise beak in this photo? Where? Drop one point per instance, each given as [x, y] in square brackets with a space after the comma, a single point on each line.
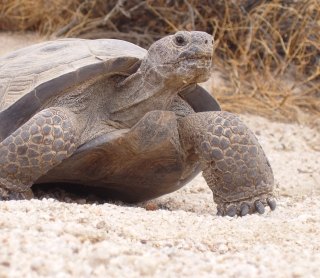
[195, 53]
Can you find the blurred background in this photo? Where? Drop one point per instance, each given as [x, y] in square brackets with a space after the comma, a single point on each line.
[267, 56]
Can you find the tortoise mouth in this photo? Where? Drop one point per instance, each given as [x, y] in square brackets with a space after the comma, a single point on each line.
[196, 58]
[193, 59]
[197, 61]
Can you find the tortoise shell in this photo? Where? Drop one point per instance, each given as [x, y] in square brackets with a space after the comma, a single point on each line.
[30, 76]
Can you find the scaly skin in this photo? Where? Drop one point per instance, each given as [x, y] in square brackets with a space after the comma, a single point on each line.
[33, 149]
[233, 162]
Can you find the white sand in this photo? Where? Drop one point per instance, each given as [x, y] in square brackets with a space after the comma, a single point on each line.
[177, 235]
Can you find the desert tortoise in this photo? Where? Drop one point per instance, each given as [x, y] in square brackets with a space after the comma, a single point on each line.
[131, 123]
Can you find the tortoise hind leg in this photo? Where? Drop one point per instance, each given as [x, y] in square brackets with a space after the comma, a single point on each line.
[33, 149]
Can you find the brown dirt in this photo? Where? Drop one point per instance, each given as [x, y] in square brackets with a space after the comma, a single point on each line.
[177, 235]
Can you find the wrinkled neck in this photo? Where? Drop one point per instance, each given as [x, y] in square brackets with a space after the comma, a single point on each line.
[144, 91]
[149, 80]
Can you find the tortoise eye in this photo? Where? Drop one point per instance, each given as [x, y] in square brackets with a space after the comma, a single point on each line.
[180, 40]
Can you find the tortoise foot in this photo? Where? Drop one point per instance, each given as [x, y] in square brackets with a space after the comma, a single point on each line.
[8, 195]
[253, 205]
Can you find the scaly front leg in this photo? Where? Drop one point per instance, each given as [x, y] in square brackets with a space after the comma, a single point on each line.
[33, 149]
[233, 162]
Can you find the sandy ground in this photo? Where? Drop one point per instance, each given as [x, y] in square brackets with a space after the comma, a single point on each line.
[177, 235]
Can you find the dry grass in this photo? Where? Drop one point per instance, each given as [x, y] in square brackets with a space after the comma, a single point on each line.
[267, 55]
[271, 60]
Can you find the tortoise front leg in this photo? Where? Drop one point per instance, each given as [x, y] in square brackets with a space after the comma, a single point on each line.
[233, 162]
[33, 149]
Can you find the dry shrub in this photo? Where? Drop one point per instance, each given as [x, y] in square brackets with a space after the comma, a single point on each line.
[267, 53]
[269, 58]
[36, 15]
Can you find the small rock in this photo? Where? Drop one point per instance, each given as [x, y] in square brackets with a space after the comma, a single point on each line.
[101, 225]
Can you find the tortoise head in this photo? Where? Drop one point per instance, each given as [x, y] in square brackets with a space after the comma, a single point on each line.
[184, 56]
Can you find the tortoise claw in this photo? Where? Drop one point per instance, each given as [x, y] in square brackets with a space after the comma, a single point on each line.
[232, 211]
[244, 209]
[271, 203]
[259, 207]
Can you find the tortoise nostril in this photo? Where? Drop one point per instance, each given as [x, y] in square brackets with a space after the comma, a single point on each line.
[206, 41]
